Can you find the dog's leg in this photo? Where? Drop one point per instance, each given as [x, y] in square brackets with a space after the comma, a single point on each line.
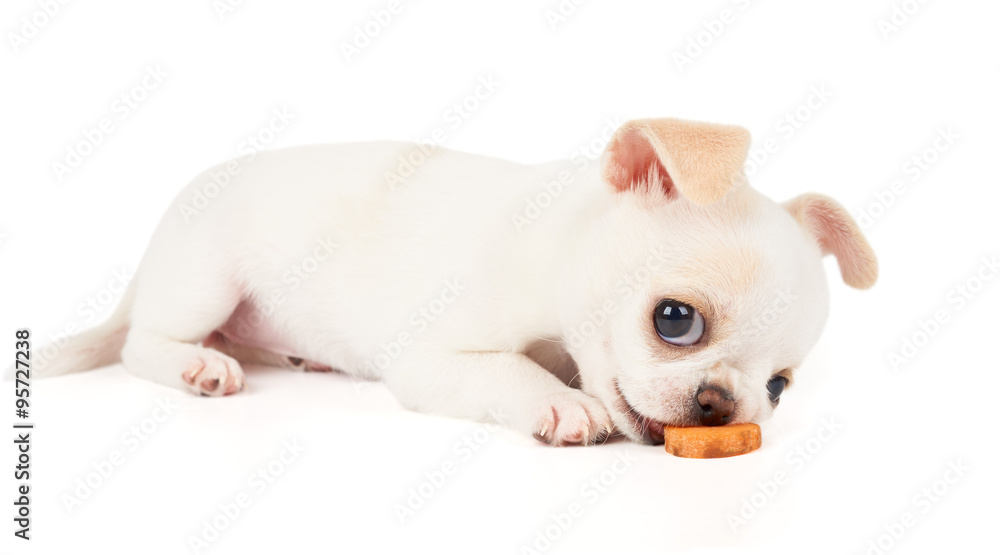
[501, 386]
[181, 298]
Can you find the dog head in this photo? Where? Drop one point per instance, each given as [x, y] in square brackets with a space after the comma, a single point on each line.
[699, 297]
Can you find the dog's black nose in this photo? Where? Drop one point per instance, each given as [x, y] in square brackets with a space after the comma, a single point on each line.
[715, 406]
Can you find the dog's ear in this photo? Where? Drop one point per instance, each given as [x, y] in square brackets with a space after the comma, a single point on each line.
[699, 161]
[826, 221]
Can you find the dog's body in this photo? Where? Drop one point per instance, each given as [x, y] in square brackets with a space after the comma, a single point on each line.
[480, 288]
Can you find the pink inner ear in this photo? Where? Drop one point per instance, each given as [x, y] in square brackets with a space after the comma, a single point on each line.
[633, 161]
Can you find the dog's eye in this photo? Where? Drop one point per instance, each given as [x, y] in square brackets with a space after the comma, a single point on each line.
[678, 323]
[775, 386]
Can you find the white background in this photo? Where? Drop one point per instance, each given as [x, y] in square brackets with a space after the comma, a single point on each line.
[898, 426]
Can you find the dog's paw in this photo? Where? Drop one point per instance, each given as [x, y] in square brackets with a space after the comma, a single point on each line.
[571, 418]
[214, 374]
[308, 365]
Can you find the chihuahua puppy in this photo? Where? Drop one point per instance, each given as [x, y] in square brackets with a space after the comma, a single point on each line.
[655, 288]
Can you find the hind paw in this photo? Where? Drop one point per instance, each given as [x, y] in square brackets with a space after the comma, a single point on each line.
[214, 375]
[308, 365]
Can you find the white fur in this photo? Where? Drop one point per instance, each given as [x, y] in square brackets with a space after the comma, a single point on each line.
[449, 227]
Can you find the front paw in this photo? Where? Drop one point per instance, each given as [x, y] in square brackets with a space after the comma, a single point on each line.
[571, 418]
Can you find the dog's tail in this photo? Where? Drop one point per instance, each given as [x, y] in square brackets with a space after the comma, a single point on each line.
[96, 347]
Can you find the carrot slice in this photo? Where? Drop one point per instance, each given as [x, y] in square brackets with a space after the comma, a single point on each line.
[711, 442]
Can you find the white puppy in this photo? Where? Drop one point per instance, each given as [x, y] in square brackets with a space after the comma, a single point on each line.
[571, 300]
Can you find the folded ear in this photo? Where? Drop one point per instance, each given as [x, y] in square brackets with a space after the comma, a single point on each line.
[700, 161]
[826, 221]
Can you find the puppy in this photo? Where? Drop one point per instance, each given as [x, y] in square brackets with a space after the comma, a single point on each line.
[566, 299]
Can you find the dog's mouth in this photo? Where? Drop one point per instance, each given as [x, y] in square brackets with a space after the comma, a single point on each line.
[649, 429]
